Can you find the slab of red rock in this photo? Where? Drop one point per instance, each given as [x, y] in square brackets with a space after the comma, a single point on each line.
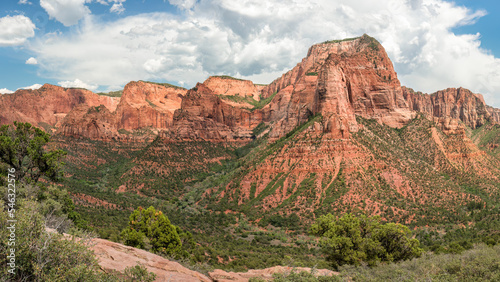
[267, 273]
[114, 256]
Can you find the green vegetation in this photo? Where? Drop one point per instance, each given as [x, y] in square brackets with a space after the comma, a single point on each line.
[151, 229]
[163, 84]
[227, 77]
[28, 207]
[151, 103]
[238, 230]
[341, 40]
[477, 264]
[313, 73]
[372, 42]
[117, 93]
[353, 240]
[257, 104]
[22, 148]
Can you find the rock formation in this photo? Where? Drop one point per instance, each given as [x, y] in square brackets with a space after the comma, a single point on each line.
[452, 105]
[228, 86]
[339, 79]
[113, 256]
[146, 104]
[48, 105]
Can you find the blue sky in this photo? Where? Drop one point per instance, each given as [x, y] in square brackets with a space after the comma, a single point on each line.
[103, 44]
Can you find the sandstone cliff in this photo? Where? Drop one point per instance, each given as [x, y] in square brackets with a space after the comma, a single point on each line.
[142, 105]
[48, 105]
[339, 79]
[204, 115]
[228, 86]
[452, 105]
[146, 104]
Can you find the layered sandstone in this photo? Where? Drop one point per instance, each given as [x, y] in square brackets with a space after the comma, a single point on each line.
[89, 122]
[49, 104]
[146, 104]
[452, 105]
[204, 115]
[228, 86]
[339, 79]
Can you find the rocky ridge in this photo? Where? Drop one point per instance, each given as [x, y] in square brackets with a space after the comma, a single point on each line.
[452, 107]
[49, 105]
[338, 79]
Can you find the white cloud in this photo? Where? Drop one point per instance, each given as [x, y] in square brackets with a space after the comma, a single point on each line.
[15, 30]
[5, 91]
[117, 8]
[31, 61]
[24, 2]
[183, 4]
[32, 87]
[68, 12]
[77, 84]
[260, 39]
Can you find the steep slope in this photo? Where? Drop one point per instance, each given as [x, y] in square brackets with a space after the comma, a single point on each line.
[417, 175]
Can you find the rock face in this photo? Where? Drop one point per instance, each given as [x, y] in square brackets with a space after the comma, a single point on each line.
[90, 122]
[452, 105]
[228, 86]
[495, 113]
[49, 104]
[114, 256]
[148, 105]
[339, 79]
[142, 105]
[203, 115]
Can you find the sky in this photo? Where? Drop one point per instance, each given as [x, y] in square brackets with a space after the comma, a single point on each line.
[101, 45]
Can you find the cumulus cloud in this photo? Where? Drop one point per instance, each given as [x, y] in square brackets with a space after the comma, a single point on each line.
[5, 91]
[68, 12]
[31, 61]
[77, 84]
[261, 39]
[32, 87]
[15, 30]
[117, 8]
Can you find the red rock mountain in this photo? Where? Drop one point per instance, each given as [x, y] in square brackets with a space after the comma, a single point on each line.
[47, 106]
[338, 79]
[451, 105]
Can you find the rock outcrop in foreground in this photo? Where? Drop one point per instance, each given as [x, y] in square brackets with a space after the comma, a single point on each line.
[116, 257]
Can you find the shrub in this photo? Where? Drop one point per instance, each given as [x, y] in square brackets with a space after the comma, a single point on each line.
[154, 226]
[353, 240]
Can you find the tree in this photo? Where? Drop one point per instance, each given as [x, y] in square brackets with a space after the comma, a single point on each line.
[149, 226]
[22, 147]
[352, 240]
